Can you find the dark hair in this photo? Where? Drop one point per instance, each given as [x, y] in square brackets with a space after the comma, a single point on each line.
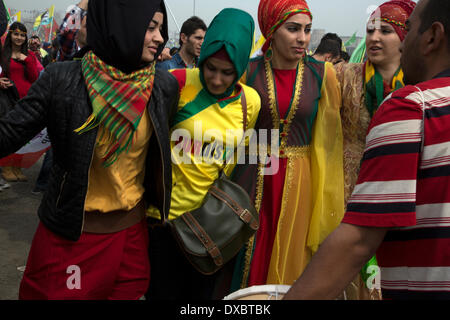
[173, 51]
[161, 8]
[329, 46]
[345, 56]
[436, 11]
[7, 47]
[332, 36]
[35, 37]
[190, 26]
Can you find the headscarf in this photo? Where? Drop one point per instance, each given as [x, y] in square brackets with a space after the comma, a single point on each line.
[232, 29]
[273, 13]
[394, 12]
[116, 30]
[118, 83]
[376, 90]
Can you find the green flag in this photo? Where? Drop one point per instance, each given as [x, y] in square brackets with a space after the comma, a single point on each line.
[359, 53]
[351, 41]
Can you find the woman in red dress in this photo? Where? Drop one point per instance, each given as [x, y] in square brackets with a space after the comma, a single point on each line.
[19, 68]
[301, 200]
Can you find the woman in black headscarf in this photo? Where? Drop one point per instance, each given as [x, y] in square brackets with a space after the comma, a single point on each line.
[108, 120]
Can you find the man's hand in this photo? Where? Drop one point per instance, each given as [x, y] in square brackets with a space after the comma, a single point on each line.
[338, 260]
[165, 55]
[83, 4]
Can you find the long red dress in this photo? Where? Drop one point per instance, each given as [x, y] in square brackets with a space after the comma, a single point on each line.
[23, 74]
[271, 203]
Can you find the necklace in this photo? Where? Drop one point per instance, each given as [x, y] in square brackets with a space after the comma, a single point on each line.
[283, 124]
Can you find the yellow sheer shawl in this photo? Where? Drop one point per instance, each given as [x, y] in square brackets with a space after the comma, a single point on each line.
[327, 163]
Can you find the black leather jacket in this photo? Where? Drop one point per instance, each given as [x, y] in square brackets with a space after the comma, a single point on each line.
[59, 101]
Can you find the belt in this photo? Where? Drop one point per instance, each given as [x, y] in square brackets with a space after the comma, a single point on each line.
[113, 221]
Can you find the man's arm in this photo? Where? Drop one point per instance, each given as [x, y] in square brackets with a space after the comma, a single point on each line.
[83, 4]
[337, 262]
[68, 31]
[165, 55]
[384, 197]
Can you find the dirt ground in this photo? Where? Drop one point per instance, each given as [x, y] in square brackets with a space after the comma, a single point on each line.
[18, 222]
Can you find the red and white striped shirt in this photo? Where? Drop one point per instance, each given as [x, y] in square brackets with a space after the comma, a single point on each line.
[406, 188]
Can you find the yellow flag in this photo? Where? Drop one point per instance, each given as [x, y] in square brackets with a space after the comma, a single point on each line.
[45, 18]
[257, 46]
[15, 18]
[37, 22]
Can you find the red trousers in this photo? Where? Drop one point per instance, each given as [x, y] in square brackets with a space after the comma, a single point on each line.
[97, 267]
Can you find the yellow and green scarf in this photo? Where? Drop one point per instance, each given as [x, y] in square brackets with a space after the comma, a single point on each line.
[118, 102]
[375, 89]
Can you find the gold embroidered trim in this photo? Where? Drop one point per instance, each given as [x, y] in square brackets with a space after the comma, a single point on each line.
[296, 152]
[251, 241]
[284, 201]
[289, 152]
[276, 117]
[272, 96]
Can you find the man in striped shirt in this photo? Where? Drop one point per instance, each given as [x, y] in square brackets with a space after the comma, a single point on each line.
[400, 208]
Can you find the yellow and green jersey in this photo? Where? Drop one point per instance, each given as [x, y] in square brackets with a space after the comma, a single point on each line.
[204, 135]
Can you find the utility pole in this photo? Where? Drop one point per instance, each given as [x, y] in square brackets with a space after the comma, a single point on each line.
[194, 7]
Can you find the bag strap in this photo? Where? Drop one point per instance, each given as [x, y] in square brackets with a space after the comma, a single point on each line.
[244, 109]
[244, 121]
[242, 213]
[211, 247]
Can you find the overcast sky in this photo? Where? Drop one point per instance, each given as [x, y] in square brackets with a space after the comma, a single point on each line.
[342, 17]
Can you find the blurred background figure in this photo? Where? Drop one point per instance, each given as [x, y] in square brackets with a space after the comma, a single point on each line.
[20, 67]
[42, 55]
[329, 50]
[192, 35]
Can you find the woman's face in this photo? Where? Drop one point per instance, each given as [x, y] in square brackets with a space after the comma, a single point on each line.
[81, 37]
[18, 38]
[291, 40]
[153, 38]
[383, 44]
[219, 75]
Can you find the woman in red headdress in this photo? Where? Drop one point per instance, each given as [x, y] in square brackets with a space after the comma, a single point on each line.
[366, 85]
[299, 190]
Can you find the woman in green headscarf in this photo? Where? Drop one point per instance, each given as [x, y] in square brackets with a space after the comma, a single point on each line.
[209, 109]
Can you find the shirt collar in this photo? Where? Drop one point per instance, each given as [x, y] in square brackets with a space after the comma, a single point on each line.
[443, 74]
[178, 59]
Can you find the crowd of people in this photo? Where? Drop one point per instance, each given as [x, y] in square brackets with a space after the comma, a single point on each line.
[357, 175]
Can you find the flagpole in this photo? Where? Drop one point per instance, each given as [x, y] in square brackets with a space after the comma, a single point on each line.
[52, 8]
[51, 29]
[171, 13]
[38, 30]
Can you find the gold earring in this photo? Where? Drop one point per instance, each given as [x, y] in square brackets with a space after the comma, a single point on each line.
[269, 53]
